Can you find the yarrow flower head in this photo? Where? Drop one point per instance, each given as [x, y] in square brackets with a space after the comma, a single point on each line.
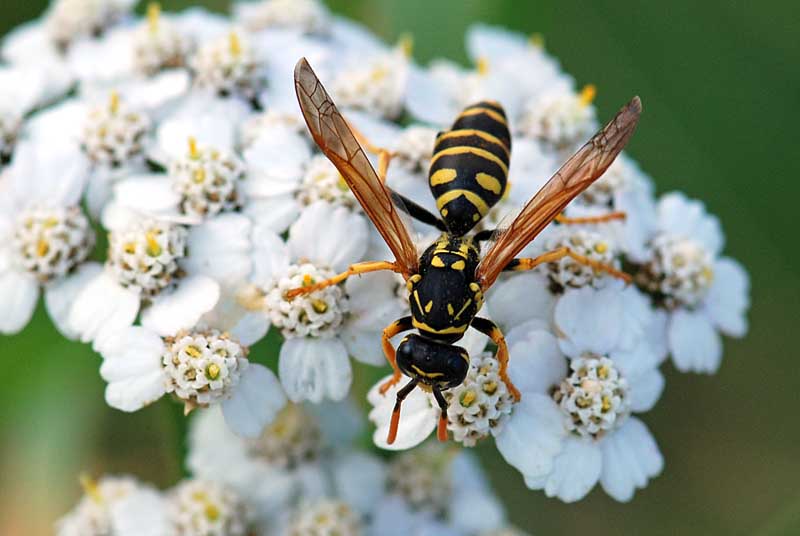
[114, 134]
[204, 508]
[323, 518]
[69, 20]
[229, 65]
[158, 44]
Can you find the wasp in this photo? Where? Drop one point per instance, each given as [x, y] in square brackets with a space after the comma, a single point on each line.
[446, 284]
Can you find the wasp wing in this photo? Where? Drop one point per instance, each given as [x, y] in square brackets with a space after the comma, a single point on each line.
[334, 137]
[577, 174]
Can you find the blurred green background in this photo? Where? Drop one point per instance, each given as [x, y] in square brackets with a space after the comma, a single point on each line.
[721, 89]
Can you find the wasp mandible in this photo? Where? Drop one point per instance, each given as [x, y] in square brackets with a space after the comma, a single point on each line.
[446, 284]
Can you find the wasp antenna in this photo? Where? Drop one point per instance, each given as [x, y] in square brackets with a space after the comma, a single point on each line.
[395, 422]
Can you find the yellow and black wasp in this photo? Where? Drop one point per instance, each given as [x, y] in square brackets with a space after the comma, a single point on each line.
[446, 284]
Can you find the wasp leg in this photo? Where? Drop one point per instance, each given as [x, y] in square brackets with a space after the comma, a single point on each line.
[519, 265]
[384, 155]
[611, 216]
[398, 326]
[492, 330]
[441, 431]
[395, 422]
[416, 211]
[354, 269]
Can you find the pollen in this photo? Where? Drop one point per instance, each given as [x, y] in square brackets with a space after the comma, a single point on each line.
[601, 247]
[234, 44]
[307, 280]
[587, 94]
[212, 372]
[153, 16]
[319, 306]
[482, 66]
[406, 44]
[193, 351]
[467, 398]
[194, 152]
[113, 103]
[42, 248]
[154, 249]
[537, 40]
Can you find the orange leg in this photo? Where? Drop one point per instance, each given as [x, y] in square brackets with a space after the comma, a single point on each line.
[384, 155]
[492, 330]
[354, 269]
[519, 265]
[618, 215]
[395, 422]
[398, 326]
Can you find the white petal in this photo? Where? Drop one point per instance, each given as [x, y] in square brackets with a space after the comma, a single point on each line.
[729, 297]
[520, 298]
[132, 367]
[150, 194]
[314, 369]
[360, 480]
[18, 294]
[255, 402]
[270, 255]
[696, 346]
[645, 390]
[102, 308]
[686, 217]
[277, 213]
[473, 507]
[248, 327]
[576, 470]
[418, 416]
[183, 307]
[630, 458]
[591, 320]
[329, 235]
[60, 295]
[140, 513]
[536, 363]
[220, 248]
[364, 345]
[533, 436]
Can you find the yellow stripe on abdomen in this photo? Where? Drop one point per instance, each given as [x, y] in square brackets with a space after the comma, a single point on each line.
[482, 153]
[472, 197]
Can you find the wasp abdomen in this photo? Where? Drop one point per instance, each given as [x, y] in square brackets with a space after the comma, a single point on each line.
[469, 167]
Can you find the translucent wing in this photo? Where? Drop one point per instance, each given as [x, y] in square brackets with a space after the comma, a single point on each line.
[337, 141]
[580, 171]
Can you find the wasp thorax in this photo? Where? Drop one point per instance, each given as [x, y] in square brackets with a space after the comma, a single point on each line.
[423, 477]
[594, 397]
[202, 366]
[325, 517]
[323, 181]
[317, 314]
[158, 44]
[292, 439]
[229, 65]
[567, 272]
[208, 180]
[114, 134]
[560, 120]
[51, 242]
[679, 272]
[144, 257]
[69, 20]
[481, 404]
[205, 508]
[10, 123]
[414, 148]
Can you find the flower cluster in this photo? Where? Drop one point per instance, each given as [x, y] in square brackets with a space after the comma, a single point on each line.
[178, 136]
[301, 476]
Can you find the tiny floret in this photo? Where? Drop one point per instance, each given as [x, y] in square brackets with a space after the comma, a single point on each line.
[114, 133]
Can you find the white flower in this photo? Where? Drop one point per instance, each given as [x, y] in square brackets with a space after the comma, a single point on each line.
[118, 505]
[436, 490]
[272, 469]
[308, 16]
[69, 20]
[561, 120]
[173, 274]
[200, 367]
[45, 237]
[323, 518]
[204, 508]
[324, 327]
[229, 66]
[158, 44]
[703, 293]
[573, 426]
